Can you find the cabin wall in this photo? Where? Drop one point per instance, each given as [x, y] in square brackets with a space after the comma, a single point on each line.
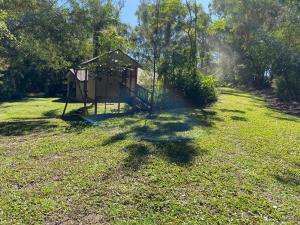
[91, 88]
[79, 91]
[131, 80]
[71, 88]
[106, 86]
[135, 77]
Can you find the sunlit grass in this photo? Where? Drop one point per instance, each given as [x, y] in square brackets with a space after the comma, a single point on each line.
[243, 167]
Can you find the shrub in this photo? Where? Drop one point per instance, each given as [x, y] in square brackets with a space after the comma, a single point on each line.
[183, 89]
[200, 89]
[287, 87]
[6, 88]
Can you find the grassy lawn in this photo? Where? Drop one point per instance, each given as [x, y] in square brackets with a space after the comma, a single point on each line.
[236, 162]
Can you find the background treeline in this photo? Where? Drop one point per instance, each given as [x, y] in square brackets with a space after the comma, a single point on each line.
[42, 39]
[242, 42]
[175, 34]
[260, 46]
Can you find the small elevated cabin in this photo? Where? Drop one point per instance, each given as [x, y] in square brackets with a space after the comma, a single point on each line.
[110, 78]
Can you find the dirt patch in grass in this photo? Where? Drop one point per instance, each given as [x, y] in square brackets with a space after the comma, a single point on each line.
[274, 102]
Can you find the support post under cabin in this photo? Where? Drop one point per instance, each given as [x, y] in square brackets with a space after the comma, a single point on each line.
[85, 92]
[68, 93]
[95, 97]
[106, 95]
[132, 90]
[96, 107]
[68, 96]
[119, 99]
[135, 75]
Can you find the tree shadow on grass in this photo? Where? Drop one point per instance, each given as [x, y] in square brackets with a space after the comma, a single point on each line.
[114, 139]
[169, 129]
[238, 118]
[289, 178]
[207, 118]
[165, 139]
[64, 99]
[18, 128]
[138, 155]
[233, 111]
[243, 94]
[21, 126]
[75, 122]
[181, 153]
[24, 99]
[51, 114]
[156, 129]
[4, 106]
[288, 118]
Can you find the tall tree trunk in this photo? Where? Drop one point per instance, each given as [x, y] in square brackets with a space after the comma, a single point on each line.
[96, 44]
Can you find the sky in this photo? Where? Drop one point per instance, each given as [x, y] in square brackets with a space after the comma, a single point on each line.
[128, 12]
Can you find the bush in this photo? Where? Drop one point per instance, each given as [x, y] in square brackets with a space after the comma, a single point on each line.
[287, 88]
[184, 89]
[201, 90]
[6, 88]
[55, 90]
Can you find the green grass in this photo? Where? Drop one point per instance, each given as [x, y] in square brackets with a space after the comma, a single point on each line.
[236, 162]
